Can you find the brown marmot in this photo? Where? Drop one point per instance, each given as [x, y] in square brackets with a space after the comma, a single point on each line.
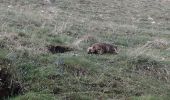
[100, 48]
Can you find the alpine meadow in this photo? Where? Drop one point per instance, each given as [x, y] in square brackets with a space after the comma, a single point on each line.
[46, 50]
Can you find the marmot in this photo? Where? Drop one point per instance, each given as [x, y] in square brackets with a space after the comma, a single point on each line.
[100, 48]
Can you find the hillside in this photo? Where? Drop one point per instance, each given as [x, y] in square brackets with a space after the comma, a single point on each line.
[140, 29]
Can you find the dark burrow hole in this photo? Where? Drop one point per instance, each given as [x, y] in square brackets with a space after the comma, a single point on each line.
[9, 86]
[59, 48]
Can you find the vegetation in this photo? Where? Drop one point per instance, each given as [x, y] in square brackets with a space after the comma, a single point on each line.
[140, 28]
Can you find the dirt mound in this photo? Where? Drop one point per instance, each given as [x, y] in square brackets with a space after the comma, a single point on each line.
[58, 48]
[8, 84]
[157, 43]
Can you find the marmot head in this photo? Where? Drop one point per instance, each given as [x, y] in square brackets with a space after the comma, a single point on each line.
[115, 49]
[90, 50]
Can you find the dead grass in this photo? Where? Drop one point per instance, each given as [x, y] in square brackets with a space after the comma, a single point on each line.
[14, 42]
[157, 44]
[84, 42]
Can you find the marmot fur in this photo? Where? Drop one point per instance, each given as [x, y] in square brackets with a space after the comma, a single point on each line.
[101, 48]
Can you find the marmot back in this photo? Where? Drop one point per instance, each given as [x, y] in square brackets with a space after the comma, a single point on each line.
[100, 48]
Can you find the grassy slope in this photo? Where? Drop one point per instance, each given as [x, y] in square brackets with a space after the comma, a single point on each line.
[140, 71]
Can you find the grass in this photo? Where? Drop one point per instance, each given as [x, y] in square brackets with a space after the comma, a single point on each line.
[150, 98]
[140, 28]
[35, 96]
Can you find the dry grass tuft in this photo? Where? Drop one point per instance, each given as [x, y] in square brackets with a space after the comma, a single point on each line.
[14, 41]
[151, 48]
[84, 41]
